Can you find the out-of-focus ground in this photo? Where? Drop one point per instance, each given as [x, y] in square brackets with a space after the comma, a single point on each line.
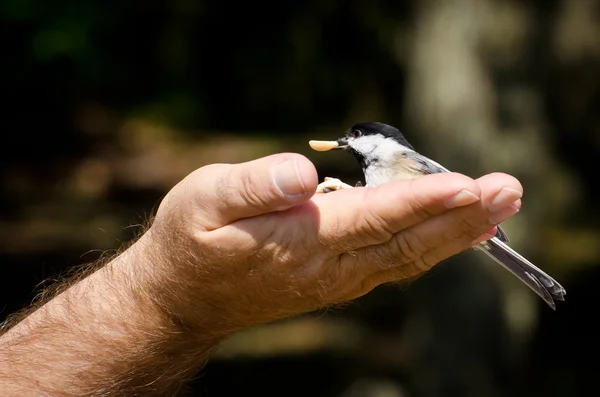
[109, 104]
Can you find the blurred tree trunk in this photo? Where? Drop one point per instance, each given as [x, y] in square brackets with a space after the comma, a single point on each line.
[452, 99]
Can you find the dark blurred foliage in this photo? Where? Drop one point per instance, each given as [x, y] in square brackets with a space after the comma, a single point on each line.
[108, 104]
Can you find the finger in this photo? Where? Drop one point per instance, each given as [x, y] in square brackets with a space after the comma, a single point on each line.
[490, 234]
[354, 218]
[226, 192]
[494, 197]
[418, 248]
[452, 246]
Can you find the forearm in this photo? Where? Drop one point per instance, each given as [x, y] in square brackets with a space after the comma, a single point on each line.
[105, 335]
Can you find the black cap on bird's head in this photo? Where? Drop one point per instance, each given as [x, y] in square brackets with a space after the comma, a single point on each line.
[375, 128]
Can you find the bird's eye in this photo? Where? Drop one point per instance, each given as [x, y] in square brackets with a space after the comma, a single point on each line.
[356, 133]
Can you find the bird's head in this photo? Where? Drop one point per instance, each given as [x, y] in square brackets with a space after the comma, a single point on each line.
[369, 142]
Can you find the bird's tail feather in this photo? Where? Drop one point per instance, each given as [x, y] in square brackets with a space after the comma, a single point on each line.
[536, 279]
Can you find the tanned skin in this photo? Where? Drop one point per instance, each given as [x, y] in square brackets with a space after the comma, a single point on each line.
[233, 246]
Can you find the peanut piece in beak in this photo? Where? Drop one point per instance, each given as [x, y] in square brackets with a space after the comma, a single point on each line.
[323, 146]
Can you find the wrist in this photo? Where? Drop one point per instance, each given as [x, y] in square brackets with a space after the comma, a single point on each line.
[168, 272]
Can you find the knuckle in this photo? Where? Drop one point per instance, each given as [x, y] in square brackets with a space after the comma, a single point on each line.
[420, 266]
[250, 192]
[428, 260]
[473, 228]
[420, 210]
[374, 228]
[233, 187]
[409, 245]
[468, 224]
[465, 227]
[472, 234]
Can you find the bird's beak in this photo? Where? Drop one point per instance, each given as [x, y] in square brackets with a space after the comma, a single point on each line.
[342, 143]
[323, 146]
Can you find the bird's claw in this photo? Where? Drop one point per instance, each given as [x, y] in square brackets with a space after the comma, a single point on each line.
[331, 184]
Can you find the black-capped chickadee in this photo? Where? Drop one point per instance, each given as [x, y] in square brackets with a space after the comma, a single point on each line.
[385, 155]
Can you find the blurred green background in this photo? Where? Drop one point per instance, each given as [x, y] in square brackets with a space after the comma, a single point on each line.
[109, 103]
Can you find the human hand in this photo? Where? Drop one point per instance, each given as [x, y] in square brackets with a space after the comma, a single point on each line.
[232, 246]
[235, 245]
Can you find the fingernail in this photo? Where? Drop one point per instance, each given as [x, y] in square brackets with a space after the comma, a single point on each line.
[504, 198]
[287, 178]
[462, 198]
[503, 215]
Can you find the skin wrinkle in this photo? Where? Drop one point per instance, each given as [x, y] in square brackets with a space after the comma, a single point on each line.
[375, 228]
[416, 207]
[252, 197]
[422, 265]
[433, 256]
[409, 246]
[226, 188]
[436, 254]
[466, 226]
[370, 223]
[418, 267]
[339, 239]
[381, 224]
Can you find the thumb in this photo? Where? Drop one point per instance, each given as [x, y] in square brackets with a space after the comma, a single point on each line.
[225, 193]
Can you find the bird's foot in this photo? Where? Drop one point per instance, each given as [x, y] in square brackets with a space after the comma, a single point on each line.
[331, 184]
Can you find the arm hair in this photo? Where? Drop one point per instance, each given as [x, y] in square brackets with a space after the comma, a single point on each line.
[101, 331]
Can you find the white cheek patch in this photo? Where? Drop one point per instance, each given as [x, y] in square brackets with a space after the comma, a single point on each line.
[367, 144]
[379, 147]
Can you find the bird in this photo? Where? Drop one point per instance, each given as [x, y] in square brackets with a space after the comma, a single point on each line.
[385, 155]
